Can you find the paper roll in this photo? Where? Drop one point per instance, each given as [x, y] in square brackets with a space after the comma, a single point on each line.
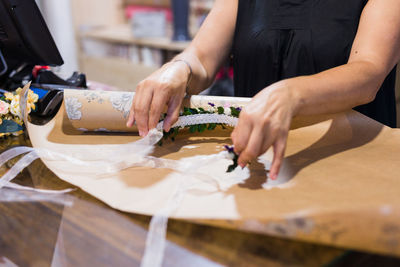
[109, 111]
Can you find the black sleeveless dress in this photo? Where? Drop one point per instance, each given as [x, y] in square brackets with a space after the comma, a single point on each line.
[278, 39]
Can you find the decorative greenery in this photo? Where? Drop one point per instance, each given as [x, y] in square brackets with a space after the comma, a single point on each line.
[234, 157]
[231, 111]
[173, 132]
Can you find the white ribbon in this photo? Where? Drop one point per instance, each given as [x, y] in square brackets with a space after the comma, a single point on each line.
[5, 181]
[43, 191]
[13, 152]
[18, 167]
[156, 237]
[202, 119]
[134, 154]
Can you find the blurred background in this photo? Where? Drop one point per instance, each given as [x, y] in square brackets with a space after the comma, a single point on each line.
[120, 42]
[117, 42]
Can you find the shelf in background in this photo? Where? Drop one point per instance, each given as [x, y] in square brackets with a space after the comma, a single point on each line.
[117, 72]
[122, 34]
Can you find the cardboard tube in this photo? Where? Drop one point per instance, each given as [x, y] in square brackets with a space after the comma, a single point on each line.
[109, 111]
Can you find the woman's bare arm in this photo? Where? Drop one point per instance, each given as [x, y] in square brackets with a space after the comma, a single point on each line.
[167, 86]
[266, 120]
[212, 44]
[375, 51]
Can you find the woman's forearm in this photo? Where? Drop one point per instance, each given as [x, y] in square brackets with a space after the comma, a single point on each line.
[374, 53]
[336, 89]
[212, 44]
[200, 79]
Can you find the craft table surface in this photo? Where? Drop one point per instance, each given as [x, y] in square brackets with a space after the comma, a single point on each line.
[78, 230]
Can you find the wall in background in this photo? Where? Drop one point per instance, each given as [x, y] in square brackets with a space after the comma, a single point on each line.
[89, 13]
[58, 17]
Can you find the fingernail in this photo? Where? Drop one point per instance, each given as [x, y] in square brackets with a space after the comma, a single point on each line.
[141, 133]
[166, 126]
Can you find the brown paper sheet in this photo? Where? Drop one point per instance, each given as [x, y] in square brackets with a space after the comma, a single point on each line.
[339, 183]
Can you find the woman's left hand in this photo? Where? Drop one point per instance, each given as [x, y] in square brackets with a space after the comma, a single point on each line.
[263, 123]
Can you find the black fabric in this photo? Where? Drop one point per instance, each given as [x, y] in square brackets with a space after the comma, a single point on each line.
[278, 39]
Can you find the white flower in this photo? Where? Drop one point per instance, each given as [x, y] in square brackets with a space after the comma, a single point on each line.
[14, 107]
[228, 155]
[73, 108]
[4, 106]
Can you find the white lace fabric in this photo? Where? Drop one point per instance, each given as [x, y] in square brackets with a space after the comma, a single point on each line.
[136, 154]
[202, 119]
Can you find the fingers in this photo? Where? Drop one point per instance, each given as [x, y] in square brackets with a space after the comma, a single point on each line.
[279, 152]
[258, 143]
[131, 118]
[253, 147]
[241, 135]
[147, 106]
[141, 109]
[172, 113]
[254, 135]
[165, 86]
[157, 105]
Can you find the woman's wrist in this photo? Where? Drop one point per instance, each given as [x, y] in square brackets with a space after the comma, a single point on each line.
[188, 68]
[293, 87]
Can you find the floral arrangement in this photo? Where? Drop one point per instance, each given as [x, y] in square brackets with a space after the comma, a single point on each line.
[232, 156]
[227, 110]
[11, 119]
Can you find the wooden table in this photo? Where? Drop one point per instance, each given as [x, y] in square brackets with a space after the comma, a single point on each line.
[78, 230]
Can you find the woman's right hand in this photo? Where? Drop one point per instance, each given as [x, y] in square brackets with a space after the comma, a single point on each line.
[165, 87]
